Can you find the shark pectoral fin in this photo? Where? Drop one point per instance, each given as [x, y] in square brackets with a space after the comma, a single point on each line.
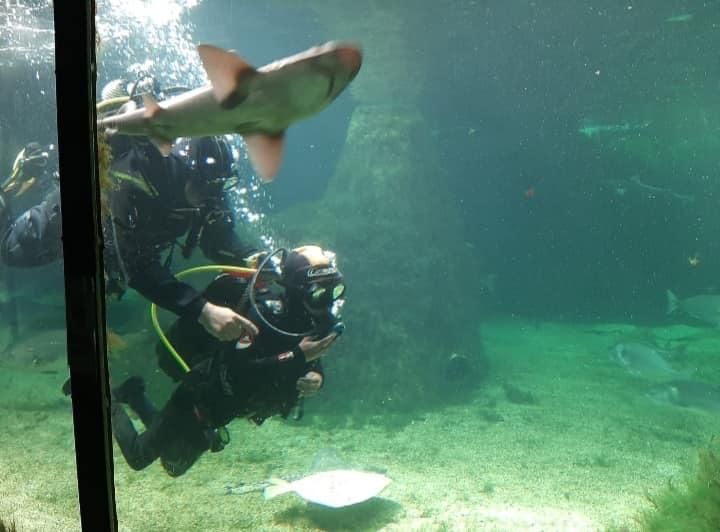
[265, 153]
[164, 146]
[152, 108]
[227, 73]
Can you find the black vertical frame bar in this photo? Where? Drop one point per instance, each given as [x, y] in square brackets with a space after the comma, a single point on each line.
[82, 250]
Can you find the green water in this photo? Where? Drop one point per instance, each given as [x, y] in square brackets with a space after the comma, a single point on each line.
[510, 187]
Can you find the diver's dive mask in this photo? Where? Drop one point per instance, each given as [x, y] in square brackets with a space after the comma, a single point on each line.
[312, 273]
[310, 276]
[212, 164]
[318, 295]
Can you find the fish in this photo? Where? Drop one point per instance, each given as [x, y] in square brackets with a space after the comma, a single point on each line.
[259, 104]
[644, 361]
[652, 191]
[685, 17]
[687, 394]
[114, 341]
[704, 308]
[590, 129]
[335, 489]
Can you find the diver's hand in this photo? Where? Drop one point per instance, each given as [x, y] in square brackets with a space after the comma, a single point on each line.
[314, 349]
[225, 324]
[309, 384]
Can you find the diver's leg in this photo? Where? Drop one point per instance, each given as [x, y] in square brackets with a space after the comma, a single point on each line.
[189, 442]
[175, 434]
[139, 450]
[132, 392]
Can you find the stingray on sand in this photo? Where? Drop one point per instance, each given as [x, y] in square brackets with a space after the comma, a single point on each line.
[336, 489]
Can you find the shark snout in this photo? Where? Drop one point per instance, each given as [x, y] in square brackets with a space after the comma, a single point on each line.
[350, 57]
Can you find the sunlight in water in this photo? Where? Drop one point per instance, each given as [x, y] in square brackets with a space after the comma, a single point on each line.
[154, 12]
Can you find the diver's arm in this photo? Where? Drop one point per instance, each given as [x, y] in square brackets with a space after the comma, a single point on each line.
[157, 284]
[309, 384]
[225, 324]
[317, 368]
[313, 380]
[312, 351]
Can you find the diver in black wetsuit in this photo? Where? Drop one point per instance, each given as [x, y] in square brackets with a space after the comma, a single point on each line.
[297, 315]
[33, 237]
[157, 201]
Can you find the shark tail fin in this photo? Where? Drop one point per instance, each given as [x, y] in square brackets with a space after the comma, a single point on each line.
[672, 303]
[277, 487]
[227, 73]
[265, 152]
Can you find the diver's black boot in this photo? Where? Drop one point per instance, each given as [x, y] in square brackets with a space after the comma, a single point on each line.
[132, 388]
[132, 393]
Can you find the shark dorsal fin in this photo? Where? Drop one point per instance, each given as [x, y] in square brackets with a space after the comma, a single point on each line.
[265, 153]
[227, 72]
[152, 108]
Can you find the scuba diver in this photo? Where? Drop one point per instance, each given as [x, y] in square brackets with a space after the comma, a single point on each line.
[154, 202]
[33, 238]
[157, 201]
[296, 308]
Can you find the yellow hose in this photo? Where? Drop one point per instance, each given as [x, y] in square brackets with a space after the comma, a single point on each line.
[120, 100]
[153, 307]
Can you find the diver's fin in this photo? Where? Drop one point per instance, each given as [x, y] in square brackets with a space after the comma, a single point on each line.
[152, 108]
[277, 487]
[164, 146]
[227, 73]
[265, 153]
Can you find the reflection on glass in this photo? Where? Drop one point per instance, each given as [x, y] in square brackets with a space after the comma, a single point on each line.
[38, 485]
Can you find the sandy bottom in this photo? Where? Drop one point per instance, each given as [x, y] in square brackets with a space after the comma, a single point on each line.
[581, 457]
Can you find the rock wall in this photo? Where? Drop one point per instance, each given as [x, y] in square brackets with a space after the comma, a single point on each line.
[387, 212]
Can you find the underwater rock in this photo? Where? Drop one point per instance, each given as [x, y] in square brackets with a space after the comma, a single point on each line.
[408, 311]
[491, 416]
[460, 368]
[518, 396]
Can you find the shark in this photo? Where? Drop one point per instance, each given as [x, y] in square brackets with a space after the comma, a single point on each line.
[257, 103]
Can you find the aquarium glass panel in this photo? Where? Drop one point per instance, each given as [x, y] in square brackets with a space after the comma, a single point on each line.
[514, 297]
[38, 486]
